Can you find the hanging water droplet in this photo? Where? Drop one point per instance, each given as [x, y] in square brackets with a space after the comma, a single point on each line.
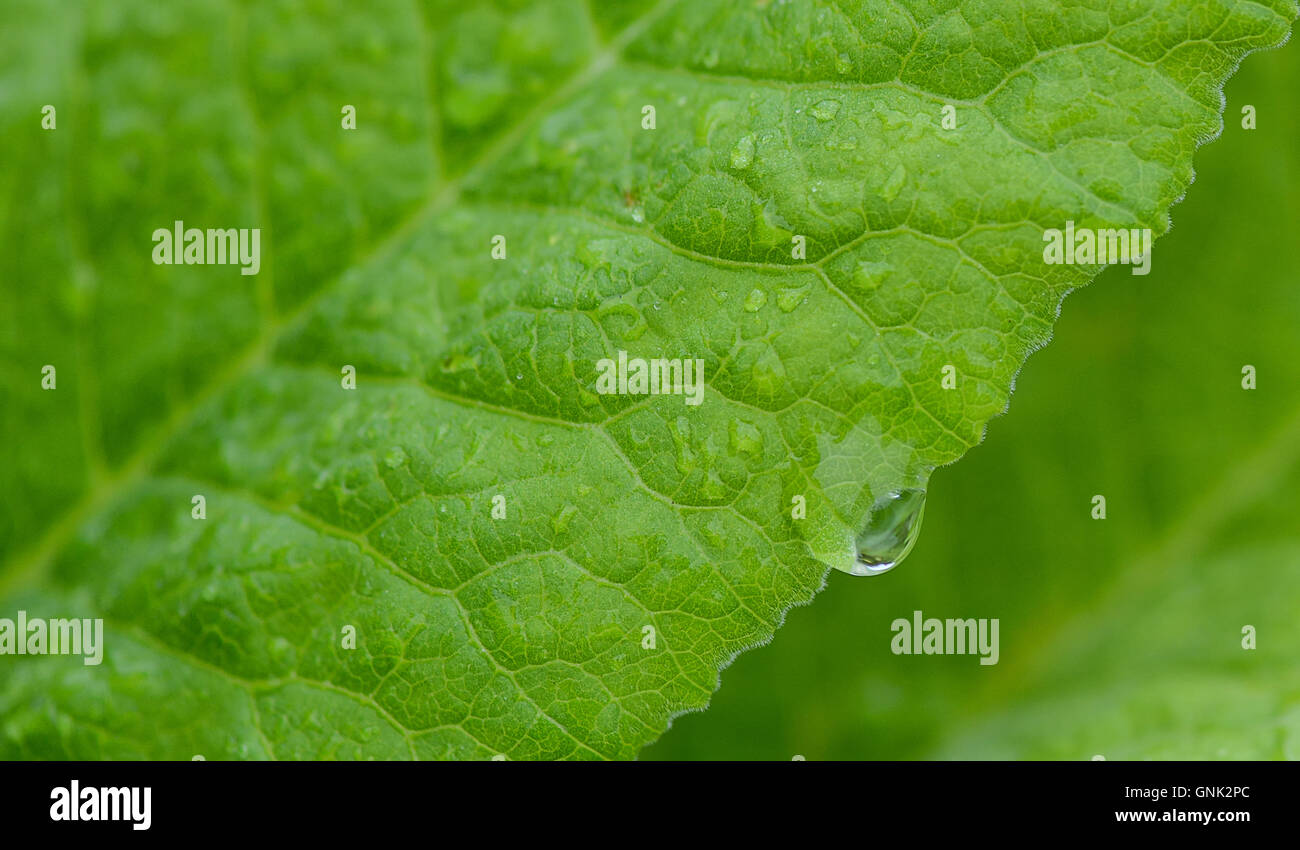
[891, 533]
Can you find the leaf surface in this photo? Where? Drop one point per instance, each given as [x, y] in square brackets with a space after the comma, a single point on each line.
[372, 508]
[1165, 631]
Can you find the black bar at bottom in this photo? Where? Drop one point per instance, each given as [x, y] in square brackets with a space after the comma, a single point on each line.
[302, 799]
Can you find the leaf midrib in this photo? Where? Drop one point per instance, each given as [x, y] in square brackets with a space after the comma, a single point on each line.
[30, 565]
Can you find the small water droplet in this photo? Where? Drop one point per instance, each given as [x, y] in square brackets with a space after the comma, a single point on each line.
[281, 651]
[843, 64]
[519, 377]
[894, 183]
[743, 153]
[890, 534]
[560, 522]
[789, 298]
[746, 439]
[755, 300]
[459, 361]
[870, 274]
[825, 110]
[719, 295]
[638, 215]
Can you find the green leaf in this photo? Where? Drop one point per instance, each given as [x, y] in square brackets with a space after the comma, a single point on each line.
[372, 508]
[1124, 638]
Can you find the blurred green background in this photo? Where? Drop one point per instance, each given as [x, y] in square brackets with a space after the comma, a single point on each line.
[1119, 637]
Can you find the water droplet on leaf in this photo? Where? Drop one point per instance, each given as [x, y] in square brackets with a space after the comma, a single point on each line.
[843, 143]
[870, 274]
[743, 153]
[825, 110]
[894, 183]
[746, 439]
[890, 534]
[560, 522]
[788, 299]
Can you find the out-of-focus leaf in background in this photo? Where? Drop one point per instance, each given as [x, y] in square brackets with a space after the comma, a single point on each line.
[1119, 637]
